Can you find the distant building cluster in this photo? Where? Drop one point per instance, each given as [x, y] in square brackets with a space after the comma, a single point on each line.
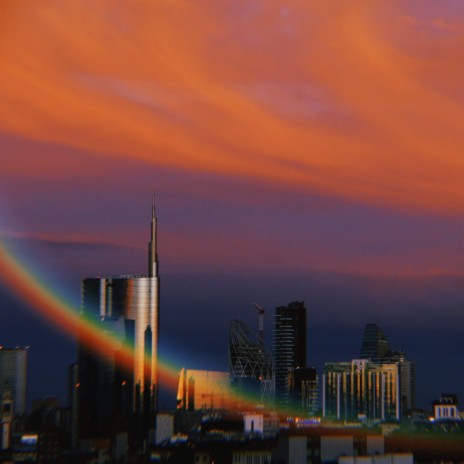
[379, 386]
[270, 407]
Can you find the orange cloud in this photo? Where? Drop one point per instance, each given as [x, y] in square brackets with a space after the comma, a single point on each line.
[351, 99]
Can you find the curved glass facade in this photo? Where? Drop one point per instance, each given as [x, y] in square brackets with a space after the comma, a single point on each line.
[124, 397]
[129, 297]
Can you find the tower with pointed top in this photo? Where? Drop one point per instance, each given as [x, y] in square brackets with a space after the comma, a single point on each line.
[152, 251]
[128, 306]
[154, 302]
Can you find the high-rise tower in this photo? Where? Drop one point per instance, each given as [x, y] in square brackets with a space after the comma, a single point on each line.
[152, 250]
[375, 343]
[134, 299]
[289, 348]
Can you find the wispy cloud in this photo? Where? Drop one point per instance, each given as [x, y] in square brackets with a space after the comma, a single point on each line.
[245, 91]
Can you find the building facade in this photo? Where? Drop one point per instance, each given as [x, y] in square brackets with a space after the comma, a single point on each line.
[289, 349]
[361, 390]
[407, 372]
[324, 445]
[13, 376]
[446, 408]
[204, 390]
[306, 390]
[374, 344]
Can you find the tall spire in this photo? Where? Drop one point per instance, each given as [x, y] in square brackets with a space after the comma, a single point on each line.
[152, 252]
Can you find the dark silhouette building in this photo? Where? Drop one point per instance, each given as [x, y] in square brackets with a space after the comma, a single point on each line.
[289, 349]
[106, 388]
[305, 395]
[375, 343]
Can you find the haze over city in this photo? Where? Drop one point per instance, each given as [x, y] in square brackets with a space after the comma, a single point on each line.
[298, 150]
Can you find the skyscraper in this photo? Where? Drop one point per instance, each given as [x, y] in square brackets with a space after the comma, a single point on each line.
[375, 343]
[13, 376]
[133, 298]
[289, 348]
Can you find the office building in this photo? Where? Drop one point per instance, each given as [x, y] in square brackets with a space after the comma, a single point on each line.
[306, 390]
[407, 372]
[13, 376]
[375, 343]
[134, 300]
[250, 362]
[289, 349]
[204, 390]
[361, 390]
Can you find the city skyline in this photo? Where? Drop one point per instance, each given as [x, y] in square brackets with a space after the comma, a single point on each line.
[329, 172]
[168, 360]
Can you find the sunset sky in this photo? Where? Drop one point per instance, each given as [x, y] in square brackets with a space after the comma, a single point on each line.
[299, 150]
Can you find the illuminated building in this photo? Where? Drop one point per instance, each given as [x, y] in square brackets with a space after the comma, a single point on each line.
[375, 343]
[249, 361]
[361, 390]
[133, 299]
[202, 390]
[13, 376]
[289, 348]
[446, 408]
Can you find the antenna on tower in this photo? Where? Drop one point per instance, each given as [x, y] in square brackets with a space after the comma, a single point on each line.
[260, 321]
[152, 252]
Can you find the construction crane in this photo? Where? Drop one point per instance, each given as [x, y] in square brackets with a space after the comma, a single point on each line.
[261, 321]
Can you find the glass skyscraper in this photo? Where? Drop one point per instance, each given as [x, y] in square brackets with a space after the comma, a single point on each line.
[289, 349]
[133, 299]
[375, 343]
